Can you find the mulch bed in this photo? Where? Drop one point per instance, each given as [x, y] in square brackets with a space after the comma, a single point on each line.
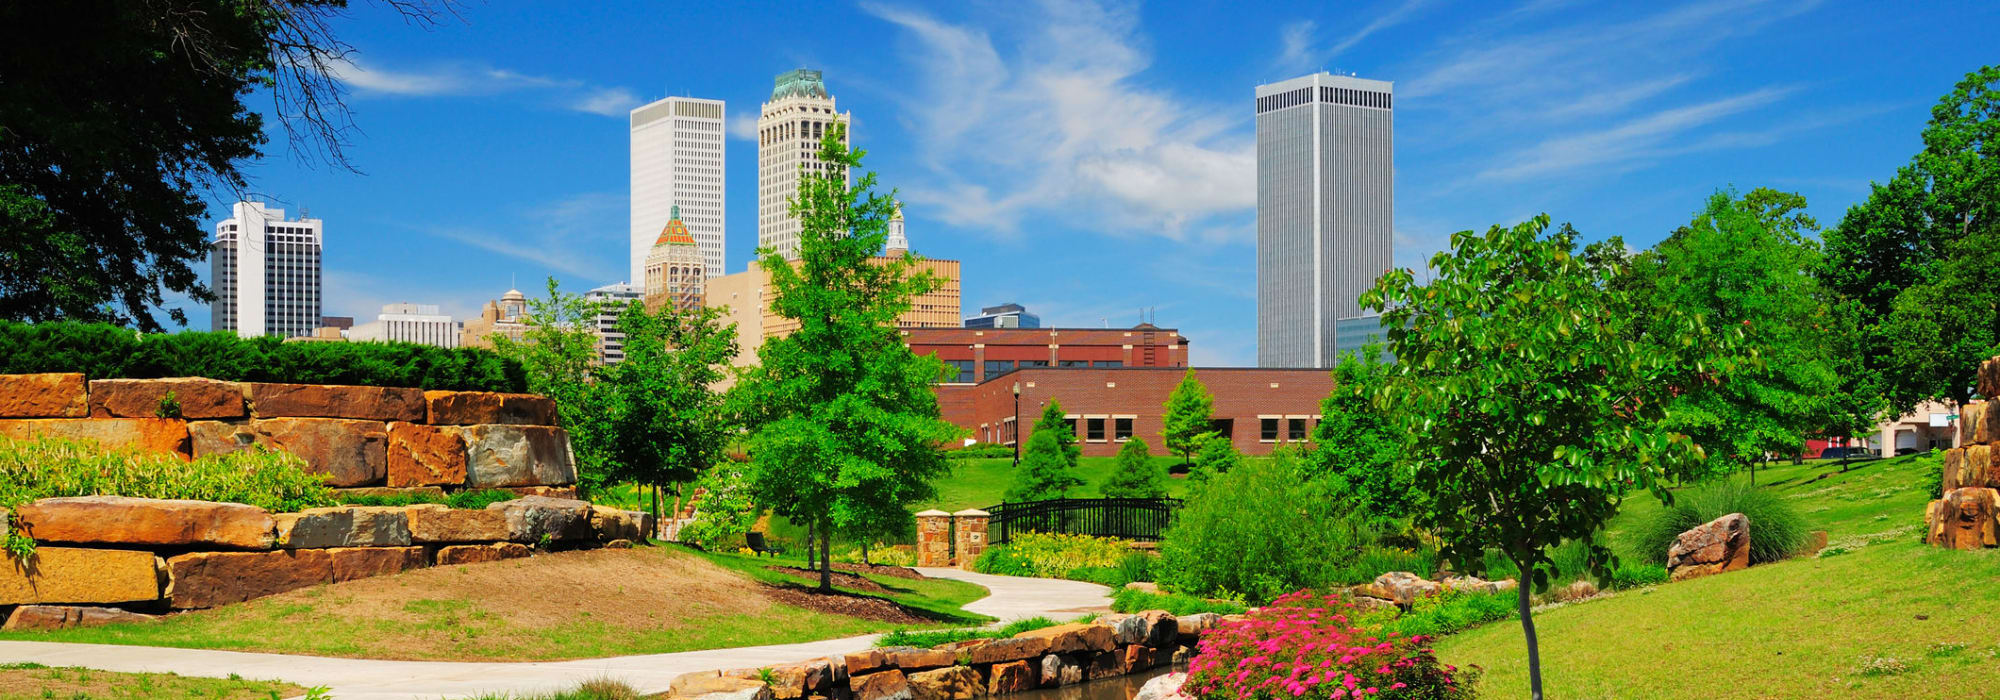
[881, 570]
[843, 580]
[851, 605]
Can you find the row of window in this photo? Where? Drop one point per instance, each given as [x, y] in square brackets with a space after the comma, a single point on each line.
[999, 368]
[1329, 95]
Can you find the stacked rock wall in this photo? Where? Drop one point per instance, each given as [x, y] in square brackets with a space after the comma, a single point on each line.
[358, 436]
[1110, 647]
[1968, 516]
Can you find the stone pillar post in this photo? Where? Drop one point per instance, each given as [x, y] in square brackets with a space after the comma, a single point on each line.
[971, 535]
[933, 538]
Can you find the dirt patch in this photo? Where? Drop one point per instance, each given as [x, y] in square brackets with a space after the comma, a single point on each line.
[843, 580]
[881, 570]
[864, 607]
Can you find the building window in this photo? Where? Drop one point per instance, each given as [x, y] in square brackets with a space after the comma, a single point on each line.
[1295, 429]
[1267, 429]
[1025, 364]
[997, 368]
[1093, 429]
[1121, 429]
[964, 368]
[1107, 363]
[1007, 429]
[1073, 363]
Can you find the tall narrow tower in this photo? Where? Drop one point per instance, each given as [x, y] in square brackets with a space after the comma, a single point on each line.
[788, 134]
[266, 273]
[677, 159]
[674, 270]
[1325, 210]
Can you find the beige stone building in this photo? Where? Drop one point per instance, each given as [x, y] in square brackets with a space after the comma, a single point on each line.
[789, 128]
[675, 268]
[506, 316]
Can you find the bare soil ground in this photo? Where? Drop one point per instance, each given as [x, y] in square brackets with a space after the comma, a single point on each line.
[880, 570]
[843, 580]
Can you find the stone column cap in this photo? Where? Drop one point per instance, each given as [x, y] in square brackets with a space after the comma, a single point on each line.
[970, 512]
[933, 513]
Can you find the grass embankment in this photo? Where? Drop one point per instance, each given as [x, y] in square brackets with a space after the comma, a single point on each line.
[561, 606]
[1878, 615]
[38, 681]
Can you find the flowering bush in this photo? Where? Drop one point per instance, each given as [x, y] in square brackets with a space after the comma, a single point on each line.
[1050, 555]
[1303, 646]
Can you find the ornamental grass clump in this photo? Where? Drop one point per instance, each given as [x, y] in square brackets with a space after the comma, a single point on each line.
[1303, 645]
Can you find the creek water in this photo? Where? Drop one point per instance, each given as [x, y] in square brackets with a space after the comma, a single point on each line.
[1118, 688]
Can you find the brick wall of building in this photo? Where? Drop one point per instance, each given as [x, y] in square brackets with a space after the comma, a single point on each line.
[1143, 346]
[1243, 396]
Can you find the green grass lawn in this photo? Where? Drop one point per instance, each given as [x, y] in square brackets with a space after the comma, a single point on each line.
[1887, 617]
[38, 681]
[978, 483]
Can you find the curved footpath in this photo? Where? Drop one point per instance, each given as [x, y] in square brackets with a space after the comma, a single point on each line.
[1010, 598]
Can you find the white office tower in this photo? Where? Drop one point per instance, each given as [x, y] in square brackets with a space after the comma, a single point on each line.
[677, 157]
[1325, 210]
[409, 323]
[611, 300]
[788, 134]
[265, 272]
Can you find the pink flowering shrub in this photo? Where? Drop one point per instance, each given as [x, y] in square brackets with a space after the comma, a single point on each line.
[1305, 645]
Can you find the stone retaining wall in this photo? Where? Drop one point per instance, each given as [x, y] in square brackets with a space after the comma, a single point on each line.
[1111, 646]
[1968, 516]
[359, 436]
[153, 555]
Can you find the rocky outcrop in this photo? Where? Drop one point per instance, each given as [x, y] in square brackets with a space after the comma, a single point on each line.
[1964, 519]
[350, 563]
[192, 397]
[517, 455]
[1059, 670]
[210, 579]
[55, 617]
[349, 452]
[535, 518]
[1714, 547]
[344, 526]
[914, 659]
[51, 395]
[439, 524]
[1012, 677]
[1166, 687]
[881, 685]
[951, 683]
[425, 455]
[147, 522]
[1075, 637]
[81, 575]
[481, 553]
[713, 686]
[142, 434]
[1400, 587]
[479, 407]
[1014, 649]
[373, 403]
[608, 523]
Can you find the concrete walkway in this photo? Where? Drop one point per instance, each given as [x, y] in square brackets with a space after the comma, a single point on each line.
[364, 679]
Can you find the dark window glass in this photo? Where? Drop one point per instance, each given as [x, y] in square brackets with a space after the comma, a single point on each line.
[964, 368]
[1121, 429]
[1094, 428]
[996, 368]
[1071, 422]
[1268, 430]
[1295, 429]
[1034, 363]
[1073, 363]
[1107, 363]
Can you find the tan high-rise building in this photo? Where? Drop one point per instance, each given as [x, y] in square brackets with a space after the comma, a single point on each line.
[675, 268]
[789, 129]
[506, 316]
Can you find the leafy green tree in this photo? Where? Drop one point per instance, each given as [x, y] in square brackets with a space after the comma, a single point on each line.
[1529, 406]
[1357, 444]
[116, 137]
[1044, 472]
[1055, 422]
[1215, 458]
[1134, 475]
[559, 353]
[844, 424]
[1745, 263]
[727, 509]
[1939, 328]
[1904, 235]
[671, 423]
[1190, 411]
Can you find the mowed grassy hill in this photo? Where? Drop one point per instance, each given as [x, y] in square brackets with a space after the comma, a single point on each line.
[1878, 615]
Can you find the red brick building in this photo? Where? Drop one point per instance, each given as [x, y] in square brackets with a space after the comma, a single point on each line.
[983, 354]
[1259, 409]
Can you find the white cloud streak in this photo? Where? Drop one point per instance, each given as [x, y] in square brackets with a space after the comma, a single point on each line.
[1627, 143]
[460, 80]
[576, 235]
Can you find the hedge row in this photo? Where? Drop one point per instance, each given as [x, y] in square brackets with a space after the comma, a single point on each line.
[104, 351]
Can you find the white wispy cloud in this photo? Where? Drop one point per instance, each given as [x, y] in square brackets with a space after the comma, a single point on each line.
[463, 79]
[1298, 49]
[1085, 135]
[581, 235]
[1628, 142]
[743, 126]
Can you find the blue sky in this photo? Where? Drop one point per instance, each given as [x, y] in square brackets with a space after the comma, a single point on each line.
[1089, 160]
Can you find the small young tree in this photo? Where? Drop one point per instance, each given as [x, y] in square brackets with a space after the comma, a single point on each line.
[1045, 472]
[1530, 405]
[1135, 475]
[1190, 411]
[672, 424]
[1054, 421]
[844, 424]
[1357, 444]
[559, 353]
[1215, 458]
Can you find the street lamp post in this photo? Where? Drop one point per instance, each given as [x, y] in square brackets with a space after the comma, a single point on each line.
[1017, 425]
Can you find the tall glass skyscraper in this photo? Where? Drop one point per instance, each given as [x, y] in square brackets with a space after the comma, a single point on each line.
[1325, 210]
[265, 270]
[677, 147]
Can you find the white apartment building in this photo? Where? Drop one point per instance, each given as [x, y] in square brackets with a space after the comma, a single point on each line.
[612, 298]
[265, 271]
[677, 148]
[409, 323]
[789, 128]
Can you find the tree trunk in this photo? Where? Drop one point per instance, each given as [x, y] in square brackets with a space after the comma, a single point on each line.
[1527, 578]
[864, 553]
[826, 560]
[810, 562]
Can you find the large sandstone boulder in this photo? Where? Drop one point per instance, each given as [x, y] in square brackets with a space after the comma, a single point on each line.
[608, 523]
[349, 452]
[713, 686]
[1012, 677]
[1165, 687]
[1970, 416]
[51, 395]
[75, 575]
[425, 455]
[533, 518]
[1475, 584]
[517, 455]
[55, 617]
[950, 683]
[1060, 669]
[915, 659]
[881, 685]
[1106, 664]
[330, 401]
[351, 563]
[439, 524]
[1963, 519]
[144, 434]
[1984, 423]
[1981, 467]
[1714, 547]
[1075, 637]
[864, 662]
[1192, 626]
[1015, 649]
[344, 526]
[1954, 468]
[148, 522]
[211, 579]
[197, 397]
[1400, 587]
[478, 407]
[1989, 378]
[564, 492]
[481, 553]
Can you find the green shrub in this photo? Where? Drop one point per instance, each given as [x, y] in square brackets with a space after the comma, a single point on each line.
[980, 450]
[463, 500]
[1776, 530]
[1131, 600]
[1262, 530]
[1135, 475]
[1452, 611]
[1635, 575]
[1050, 556]
[925, 639]
[104, 351]
[1135, 566]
